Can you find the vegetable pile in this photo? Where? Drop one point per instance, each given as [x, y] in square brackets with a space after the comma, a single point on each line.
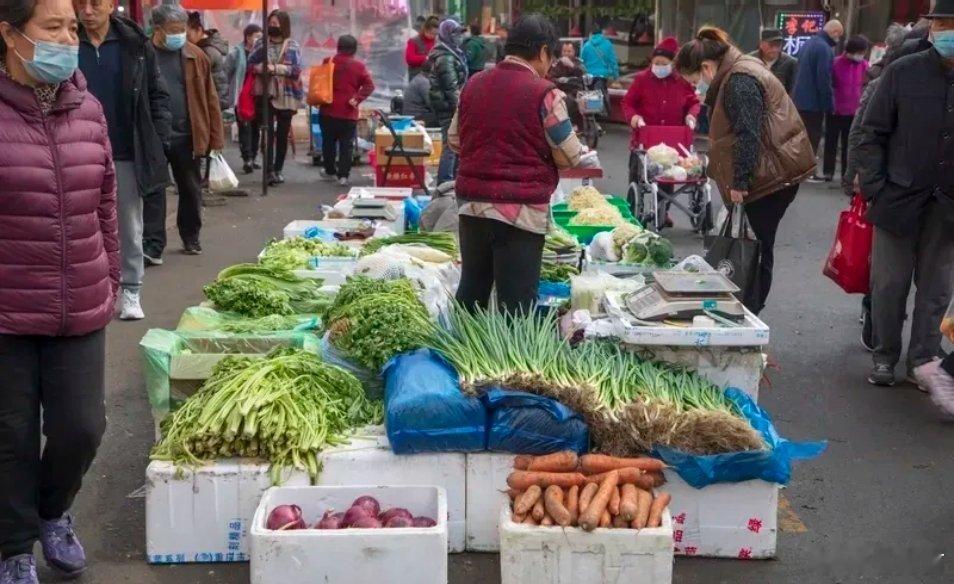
[558, 241]
[255, 291]
[603, 215]
[591, 491]
[364, 513]
[285, 408]
[555, 272]
[585, 198]
[374, 320]
[296, 253]
[441, 241]
[629, 404]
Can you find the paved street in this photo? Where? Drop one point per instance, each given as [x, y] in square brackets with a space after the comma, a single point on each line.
[875, 506]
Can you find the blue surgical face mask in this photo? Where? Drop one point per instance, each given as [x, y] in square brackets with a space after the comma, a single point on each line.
[944, 43]
[174, 42]
[52, 62]
[662, 71]
[702, 88]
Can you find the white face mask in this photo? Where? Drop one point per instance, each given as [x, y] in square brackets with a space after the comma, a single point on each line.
[662, 71]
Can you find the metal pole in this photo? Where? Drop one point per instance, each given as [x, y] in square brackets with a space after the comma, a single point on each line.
[269, 154]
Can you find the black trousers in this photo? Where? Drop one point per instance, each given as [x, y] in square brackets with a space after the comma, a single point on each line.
[186, 171]
[276, 149]
[836, 134]
[765, 215]
[248, 140]
[65, 376]
[337, 145]
[947, 364]
[154, 223]
[814, 123]
[493, 252]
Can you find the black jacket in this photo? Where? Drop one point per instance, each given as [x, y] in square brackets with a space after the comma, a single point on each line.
[149, 100]
[785, 69]
[216, 49]
[906, 153]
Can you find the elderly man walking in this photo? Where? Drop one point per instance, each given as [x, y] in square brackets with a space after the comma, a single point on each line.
[911, 190]
[814, 94]
[196, 125]
[782, 65]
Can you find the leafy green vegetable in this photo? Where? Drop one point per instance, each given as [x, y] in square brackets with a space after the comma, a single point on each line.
[356, 287]
[559, 241]
[660, 251]
[554, 272]
[285, 408]
[296, 253]
[635, 252]
[255, 290]
[441, 241]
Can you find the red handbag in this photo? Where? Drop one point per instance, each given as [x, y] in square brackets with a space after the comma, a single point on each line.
[245, 109]
[849, 261]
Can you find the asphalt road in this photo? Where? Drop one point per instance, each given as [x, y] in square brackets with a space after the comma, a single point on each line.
[876, 505]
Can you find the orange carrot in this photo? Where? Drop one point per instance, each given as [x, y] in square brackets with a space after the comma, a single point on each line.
[524, 504]
[546, 521]
[613, 506]
[628, 502]
[538, 510]
[586, 495]
[522, 461]
[517, 518]
[529, 520]
[594, 511]
[645, 502]
[618, 521]
[524, 479]
[514, 494]
[656, 511]
[565, 461]
[573, 504]
[553, 503]
[659, 479]
[632, 476]
[606, 520]
[600, 463]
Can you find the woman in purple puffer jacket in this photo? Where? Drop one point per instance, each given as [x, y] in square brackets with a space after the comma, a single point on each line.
[848, 77]
[59, 272]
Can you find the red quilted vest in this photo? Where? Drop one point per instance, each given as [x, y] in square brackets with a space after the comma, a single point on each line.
[504, 153]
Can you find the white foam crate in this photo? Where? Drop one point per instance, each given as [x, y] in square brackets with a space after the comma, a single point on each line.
[739, 367]
[530, 554]
[373, 462]
[298, 227]
[202, 514]
[726, 520]
[486, 479]
[351, 556]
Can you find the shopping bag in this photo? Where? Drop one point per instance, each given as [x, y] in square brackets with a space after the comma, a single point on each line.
[737, 256]
[221, 177]
[245, 109]
[849, 261]
[321, 89]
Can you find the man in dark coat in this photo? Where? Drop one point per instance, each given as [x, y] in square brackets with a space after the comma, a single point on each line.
[906, 167]
[813, 94]
[784, 66]
[119, 63]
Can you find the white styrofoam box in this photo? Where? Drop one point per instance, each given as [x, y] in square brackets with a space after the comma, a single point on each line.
[486, 480]
[371, 461]
[531, 554]
[725, 520]
[740, 367]
[298, 227]
[202, 514]
[351, 556]
[389, 193]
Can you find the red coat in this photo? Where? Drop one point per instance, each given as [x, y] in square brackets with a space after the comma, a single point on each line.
[412, 52]
[660, 102]
[351, 80]
[59, 250]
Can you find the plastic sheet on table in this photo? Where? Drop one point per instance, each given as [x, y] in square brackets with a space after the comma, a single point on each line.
[524, 423]
[773, 464]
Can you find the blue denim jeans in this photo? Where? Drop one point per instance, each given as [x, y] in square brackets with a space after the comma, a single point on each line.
[447, 168]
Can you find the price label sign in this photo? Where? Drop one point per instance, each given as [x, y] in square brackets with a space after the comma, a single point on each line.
[797, 28]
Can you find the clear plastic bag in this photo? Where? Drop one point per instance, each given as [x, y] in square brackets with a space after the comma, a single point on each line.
[221, 177]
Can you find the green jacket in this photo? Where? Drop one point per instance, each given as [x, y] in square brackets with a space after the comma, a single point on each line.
[476, 49]
[448, 75]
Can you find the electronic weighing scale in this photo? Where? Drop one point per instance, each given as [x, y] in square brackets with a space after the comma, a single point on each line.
[683, 295]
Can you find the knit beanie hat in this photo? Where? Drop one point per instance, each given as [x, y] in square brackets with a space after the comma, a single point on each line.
[668, 48]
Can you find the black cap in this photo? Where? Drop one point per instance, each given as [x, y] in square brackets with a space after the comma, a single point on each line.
[772, 35]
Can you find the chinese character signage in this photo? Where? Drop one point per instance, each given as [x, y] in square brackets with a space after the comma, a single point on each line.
[797, 28]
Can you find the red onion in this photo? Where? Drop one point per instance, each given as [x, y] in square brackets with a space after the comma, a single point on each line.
[369, 503]
[330, 520]
[399, 521]
[395, 512]
[366, 523]
[424, 522]
[352, 515]
[285, 517]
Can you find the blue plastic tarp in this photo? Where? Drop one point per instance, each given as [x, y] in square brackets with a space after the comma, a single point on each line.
[425, 410]
[773, 464]
[524, 423]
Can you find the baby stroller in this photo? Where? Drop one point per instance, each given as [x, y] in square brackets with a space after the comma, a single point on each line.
[651, 196]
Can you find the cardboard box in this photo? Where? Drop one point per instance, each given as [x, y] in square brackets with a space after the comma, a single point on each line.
[400, 175]
[414, 139]
[355, 556]
[438, 147]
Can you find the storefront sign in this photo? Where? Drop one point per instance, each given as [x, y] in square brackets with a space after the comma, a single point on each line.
[797, 28]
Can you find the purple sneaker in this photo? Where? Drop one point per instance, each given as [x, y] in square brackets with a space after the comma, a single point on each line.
[61, 548]
[19, 570]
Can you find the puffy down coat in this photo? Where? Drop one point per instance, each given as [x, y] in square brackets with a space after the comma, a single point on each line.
[59, 251]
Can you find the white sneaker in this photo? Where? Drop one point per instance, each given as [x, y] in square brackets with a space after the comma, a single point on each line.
[130, 306]
[343, 182]
[940, 384]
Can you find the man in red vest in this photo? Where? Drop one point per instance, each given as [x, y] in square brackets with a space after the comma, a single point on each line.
[510, 154]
